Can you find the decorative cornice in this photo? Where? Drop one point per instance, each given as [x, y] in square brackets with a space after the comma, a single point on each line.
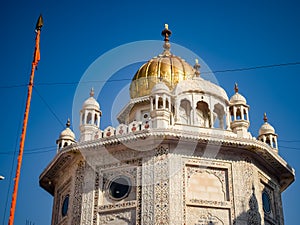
[222, 137]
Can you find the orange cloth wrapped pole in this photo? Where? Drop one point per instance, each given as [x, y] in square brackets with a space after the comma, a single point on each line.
[36, 58]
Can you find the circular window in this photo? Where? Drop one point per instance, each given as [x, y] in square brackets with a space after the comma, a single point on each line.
[119, 188]
[266, 202]
[65, 206]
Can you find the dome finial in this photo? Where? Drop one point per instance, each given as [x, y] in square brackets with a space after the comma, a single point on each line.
[166, 33]
[236, 88]
[265, 117]
[68, 124]
[92, 93]
[197, 68]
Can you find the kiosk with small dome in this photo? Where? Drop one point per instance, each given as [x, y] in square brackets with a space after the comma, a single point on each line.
[181, 154]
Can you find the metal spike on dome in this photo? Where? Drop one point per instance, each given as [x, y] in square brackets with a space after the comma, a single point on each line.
[68, 124]
[265, 117]
[236, 88]
[166, 33]
[92, 93]
[197, 68]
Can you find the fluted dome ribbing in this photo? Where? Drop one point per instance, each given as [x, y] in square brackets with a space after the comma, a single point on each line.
[198, 84]
[160, 87]
[167, 67]
[266, 128]
[67, 134]
[91, 102]
[237, 98]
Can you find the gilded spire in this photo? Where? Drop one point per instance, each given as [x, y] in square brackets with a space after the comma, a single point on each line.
[166, 33]
[92, 93]
[68, 124]
[265, 117]
[236, 88]
[197, 68]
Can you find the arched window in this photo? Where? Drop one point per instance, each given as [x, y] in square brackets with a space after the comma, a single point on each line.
[238, 114]
[89, 118]
[167, 104]
[202, 114]
[266, 202]
[219, 110]
[231, 113]
[160, 103]
[185, 111]
[268, 141]
[96, 119]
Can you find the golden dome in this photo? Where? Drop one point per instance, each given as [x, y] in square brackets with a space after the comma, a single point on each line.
[165, 67]
[169, 68]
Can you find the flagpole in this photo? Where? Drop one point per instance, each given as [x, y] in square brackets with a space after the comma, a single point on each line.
[36, 58]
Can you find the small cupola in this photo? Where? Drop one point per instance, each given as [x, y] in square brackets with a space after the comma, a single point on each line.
[160, 105]
[267, 134]
[239, 114]
[66, 137]
[89, 117]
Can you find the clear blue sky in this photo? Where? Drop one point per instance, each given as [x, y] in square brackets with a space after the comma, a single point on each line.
[227, 35]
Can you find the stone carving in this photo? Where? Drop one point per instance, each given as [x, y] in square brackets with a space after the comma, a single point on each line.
[138, 195]
[104, 206]
[147, 191]
[253, 213]
[176, 190]
[62, 191]
[118, 218]
[209, 220]
[161, 186]
[214, 178]
[96, 198]
[88, 195]
[267, 185]
[207, 216]
[122, 205]
[77, 197]
[206, 184]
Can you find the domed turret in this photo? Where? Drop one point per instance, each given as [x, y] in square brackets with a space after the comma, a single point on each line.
[160, 87]
[66, 137]
[89, 117]
[239, 111]
[267, 134]
[170, 68]
[91, 102]
[160, 105]
[237, 98]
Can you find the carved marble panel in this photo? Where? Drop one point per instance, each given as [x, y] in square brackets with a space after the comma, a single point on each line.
[207, 216]
[107, 206]
[208, 184]
[124, 217]
[77, 196]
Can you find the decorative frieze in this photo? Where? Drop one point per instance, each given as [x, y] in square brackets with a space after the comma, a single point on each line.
[77, 196]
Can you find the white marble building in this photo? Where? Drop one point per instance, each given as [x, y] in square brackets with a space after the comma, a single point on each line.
[182, 154]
